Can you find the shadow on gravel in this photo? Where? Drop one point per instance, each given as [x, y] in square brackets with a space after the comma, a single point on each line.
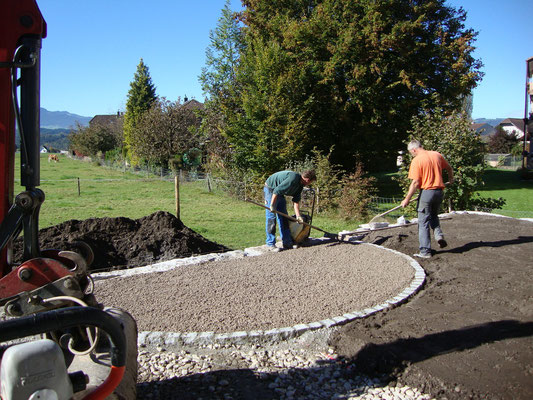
[331, 379]
[234, 384]
[392, 358]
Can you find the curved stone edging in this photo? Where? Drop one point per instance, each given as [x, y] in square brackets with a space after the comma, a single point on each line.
[156, 338]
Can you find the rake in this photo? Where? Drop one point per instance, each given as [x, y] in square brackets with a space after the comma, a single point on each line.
[377, 217]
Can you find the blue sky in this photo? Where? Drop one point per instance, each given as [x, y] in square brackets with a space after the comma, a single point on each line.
[93, 49]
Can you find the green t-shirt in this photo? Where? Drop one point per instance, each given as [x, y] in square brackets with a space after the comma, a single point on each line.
[286, 183]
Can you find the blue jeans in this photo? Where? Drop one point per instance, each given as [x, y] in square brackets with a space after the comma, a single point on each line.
[428, 218]
[281, 206]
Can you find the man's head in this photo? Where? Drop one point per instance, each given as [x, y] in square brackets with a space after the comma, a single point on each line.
[308, 177]
[414, 147]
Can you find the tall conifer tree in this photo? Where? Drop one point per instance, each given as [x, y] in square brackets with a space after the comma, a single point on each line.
[141, 96]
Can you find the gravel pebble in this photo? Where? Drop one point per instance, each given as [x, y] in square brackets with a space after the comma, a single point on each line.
[289, 374]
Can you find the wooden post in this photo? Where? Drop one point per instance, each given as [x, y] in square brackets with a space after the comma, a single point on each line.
[79, 188]
[177, 194]
[208, 182]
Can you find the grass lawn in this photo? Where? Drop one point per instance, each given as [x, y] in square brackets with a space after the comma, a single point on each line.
[110, 193]
[517, 192]
[234, 223]
[498, 183]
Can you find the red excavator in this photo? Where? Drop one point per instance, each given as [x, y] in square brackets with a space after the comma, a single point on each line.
[56, 340]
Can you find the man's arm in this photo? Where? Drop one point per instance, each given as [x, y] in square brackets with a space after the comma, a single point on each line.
[415, 185]
[273, 200]
[297, 212]
[450, 173]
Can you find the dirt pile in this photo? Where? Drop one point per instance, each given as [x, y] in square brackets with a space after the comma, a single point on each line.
[120, 243]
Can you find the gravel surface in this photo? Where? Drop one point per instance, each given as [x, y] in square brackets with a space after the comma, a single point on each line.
[269, 291]
[273, 290]
[286, 372]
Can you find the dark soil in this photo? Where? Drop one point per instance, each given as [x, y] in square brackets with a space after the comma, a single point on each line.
[120, 243]
[469, 332]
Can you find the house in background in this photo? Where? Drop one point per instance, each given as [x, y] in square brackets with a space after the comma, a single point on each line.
[104, 120]
[511, 125]
[192, 104]
[484, 129]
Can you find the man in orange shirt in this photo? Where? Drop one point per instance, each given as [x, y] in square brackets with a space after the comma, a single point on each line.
[425, 173]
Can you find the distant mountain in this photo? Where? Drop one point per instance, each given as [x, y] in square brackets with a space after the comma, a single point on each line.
[61, 119]
[491, 122]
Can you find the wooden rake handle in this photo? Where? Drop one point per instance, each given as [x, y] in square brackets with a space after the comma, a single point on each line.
[395, 208]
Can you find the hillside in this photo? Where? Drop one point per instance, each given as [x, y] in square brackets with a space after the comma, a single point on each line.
[491, 122]
[61, 119]
[55, 138]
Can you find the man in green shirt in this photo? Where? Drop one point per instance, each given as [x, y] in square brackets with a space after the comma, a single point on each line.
[277, 186]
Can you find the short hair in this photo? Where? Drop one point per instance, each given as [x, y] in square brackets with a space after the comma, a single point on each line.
[414, 144]
[309, 174]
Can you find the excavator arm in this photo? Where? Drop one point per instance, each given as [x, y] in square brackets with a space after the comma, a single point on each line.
[50, 291]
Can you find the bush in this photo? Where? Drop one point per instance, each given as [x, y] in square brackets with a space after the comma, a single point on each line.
[357, 193]
[453, 137]
[95, 138]
[502, 141]
[328, 183]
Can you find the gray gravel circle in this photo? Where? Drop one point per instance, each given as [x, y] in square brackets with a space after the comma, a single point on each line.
[264, 292]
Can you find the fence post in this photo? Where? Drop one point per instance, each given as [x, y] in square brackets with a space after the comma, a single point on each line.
[208, 182]
[177, 194]
[79, 188]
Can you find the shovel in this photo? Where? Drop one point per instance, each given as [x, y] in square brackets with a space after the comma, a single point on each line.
[389, 211]
[326, 234]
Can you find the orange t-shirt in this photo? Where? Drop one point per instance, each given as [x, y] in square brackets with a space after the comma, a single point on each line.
[427, 168]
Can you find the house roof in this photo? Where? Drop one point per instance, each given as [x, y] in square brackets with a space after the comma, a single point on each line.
[516, 122]
[193, 104]
[483, 128]
[104, 119]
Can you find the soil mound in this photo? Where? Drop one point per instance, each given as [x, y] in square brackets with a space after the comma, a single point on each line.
[120, 243]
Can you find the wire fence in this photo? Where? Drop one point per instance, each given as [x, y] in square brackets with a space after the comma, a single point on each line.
[507, 161]
[244, 189]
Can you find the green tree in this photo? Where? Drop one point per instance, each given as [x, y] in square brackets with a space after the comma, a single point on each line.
[358, 190]
[222, 55]
[164, 131]
[502, 141]
[141, 96]
[96, 138]
[453, 137]
[349, 73]
[467, 105]
[217, 80]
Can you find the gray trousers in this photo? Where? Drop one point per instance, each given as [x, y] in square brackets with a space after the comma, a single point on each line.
[428, 218]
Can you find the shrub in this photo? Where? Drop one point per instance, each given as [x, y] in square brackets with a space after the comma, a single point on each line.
[357, 192]
[328, 183]
[452, 136]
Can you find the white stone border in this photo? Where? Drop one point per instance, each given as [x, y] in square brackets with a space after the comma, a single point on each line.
[484, 213]
[167, 339]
